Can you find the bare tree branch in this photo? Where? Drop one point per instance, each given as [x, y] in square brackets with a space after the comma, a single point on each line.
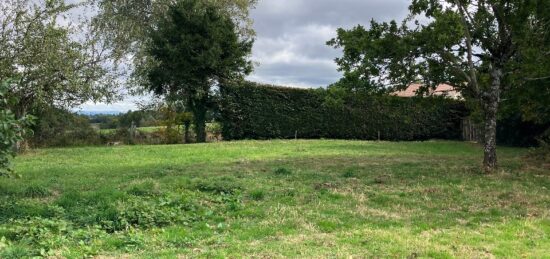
[473, 75]
[536, 78]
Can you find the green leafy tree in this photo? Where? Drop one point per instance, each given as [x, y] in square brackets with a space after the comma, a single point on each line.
[54, 59]
[193, 49]
[528, 87]
[127, 23]
[483, 47]
[12, 130]
[125, 27]
[55, 127]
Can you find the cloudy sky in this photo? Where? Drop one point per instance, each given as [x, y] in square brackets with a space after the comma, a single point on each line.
[291, 35]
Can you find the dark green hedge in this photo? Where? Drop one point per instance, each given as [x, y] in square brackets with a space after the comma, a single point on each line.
[253, 111]
[513, 131]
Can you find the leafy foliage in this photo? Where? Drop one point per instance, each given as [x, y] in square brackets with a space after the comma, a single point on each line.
[54, 64]
[12, 130]
[57, 127]
[146, 213]
[252, 111]
[126, 24]
[195, 47]
[482, 47]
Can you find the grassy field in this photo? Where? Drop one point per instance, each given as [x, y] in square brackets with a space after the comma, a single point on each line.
[275, 199]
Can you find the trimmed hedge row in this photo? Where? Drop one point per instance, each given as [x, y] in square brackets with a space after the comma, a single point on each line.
[254, 111]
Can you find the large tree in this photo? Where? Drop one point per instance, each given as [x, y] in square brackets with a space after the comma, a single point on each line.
[51, 57]
[126, 26]
[483, 47]
[195, 47]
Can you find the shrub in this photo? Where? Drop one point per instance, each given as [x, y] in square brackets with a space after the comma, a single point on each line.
[57, 127]
[252, 111]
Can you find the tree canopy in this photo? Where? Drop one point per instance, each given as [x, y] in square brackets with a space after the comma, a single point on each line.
[482, 47]
[51, 59]
[192, 49]
[126, 26]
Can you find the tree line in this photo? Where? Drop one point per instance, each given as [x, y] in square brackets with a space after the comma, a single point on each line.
[59, 55]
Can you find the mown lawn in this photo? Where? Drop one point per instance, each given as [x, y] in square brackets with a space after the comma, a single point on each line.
[314, 199]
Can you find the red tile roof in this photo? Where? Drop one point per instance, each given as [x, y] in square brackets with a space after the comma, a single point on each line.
[442, 89]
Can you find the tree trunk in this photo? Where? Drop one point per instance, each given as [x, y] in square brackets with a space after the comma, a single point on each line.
[490, 103]
[21, 145]
[186, 139]
[200, 123]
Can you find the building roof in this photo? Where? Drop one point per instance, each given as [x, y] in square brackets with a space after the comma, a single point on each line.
[440, 90]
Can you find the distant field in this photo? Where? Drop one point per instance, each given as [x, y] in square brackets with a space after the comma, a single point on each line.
[270, 199]
[141, 129]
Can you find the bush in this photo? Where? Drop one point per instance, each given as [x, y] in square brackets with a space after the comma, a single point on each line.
[61, 128]
[253, 111]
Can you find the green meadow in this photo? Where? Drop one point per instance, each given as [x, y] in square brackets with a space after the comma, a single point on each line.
[271, 199]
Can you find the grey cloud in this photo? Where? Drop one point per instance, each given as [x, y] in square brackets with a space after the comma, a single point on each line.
[274, 17]
[297, 74]
[292, 34]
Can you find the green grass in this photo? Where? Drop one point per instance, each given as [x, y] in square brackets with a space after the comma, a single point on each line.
[322, 198]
